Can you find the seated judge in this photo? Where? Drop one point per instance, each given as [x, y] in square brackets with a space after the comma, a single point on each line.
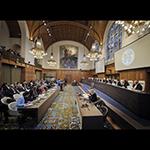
[126, 83]
[137, 86]
[92, 95]
[119, 83]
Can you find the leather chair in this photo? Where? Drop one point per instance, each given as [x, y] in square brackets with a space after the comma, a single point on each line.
[104, 110]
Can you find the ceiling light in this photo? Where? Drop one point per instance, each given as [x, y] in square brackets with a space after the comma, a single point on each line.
[37, 50]
[139, 27]
[95, 52]
[51, 61]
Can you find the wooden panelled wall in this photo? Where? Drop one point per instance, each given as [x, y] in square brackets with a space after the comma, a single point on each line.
[110, 69]
[11, 65]
[101, 75]
[28, 72]
[136, 74]
[70, 75]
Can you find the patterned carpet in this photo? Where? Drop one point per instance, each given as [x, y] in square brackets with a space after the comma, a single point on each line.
[63, 113]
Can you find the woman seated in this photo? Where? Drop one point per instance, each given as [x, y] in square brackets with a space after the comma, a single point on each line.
[20, 101]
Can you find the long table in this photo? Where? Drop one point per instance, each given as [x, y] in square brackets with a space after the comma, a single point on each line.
[39, 107]
[91, 117]
[136, 102]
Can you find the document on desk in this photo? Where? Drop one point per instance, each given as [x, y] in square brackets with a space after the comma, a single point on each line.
[85, 96]
[27, 105]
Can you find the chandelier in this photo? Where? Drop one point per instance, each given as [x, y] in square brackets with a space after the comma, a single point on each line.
[51, 61]
[139, 27]
[95, 51]
[37, 50]
[84, 60]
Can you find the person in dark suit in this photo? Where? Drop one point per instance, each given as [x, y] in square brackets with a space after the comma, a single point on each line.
[126, 83]
[7, 91]
[137, 86]
[119, 83]
[92, 95]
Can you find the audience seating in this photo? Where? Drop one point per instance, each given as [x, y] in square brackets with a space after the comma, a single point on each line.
[13, 113]
[4, 100]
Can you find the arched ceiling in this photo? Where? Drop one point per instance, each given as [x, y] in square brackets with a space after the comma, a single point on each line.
[68, 30]
[61, 30]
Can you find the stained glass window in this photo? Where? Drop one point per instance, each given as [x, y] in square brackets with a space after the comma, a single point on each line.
[114, 40]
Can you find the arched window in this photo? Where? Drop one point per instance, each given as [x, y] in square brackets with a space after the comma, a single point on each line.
[114, 40]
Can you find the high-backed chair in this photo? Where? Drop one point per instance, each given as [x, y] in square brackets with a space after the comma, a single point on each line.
[13, 109]
[4, 100]
[104, 111]
[142, 82]
[100, 103]
[4, 107]
[121, 81]
[13, 112]
[98, 100]
[130, 84]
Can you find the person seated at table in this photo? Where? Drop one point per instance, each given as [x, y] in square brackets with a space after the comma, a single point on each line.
[137, 86]
[109, 81]
[7, 91]
[74, 83]
[92, 95]
[113, 82]
[26, 96]
[119, 83]
[33, 94]
[19, 87]
[42, 89]
[126, 83]
[20, 101]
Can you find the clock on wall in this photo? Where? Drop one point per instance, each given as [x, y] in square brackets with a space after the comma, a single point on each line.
[128, 57]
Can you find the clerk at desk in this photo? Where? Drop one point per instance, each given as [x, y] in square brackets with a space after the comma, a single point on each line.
[92, 95]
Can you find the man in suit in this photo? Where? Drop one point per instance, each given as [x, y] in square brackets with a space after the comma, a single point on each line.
[92, 95]
[137, 86]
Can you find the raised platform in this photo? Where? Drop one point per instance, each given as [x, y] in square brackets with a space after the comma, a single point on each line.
[130, 117]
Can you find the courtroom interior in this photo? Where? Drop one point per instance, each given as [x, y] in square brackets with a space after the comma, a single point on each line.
[74, 75]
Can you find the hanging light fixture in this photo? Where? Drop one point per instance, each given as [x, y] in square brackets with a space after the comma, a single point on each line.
[51, 61]
[95, 52]
[84, 60]
[139, 27]
[37, 50]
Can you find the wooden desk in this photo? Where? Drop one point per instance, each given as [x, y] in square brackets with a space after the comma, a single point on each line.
[91, 117]
[40, 107]
[91, 110]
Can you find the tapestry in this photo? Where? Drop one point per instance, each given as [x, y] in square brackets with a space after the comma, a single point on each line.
[68, 56]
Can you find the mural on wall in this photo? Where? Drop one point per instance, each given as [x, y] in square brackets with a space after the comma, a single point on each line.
[68, 56]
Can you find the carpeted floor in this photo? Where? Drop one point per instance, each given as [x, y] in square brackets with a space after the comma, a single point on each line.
[63, 113]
